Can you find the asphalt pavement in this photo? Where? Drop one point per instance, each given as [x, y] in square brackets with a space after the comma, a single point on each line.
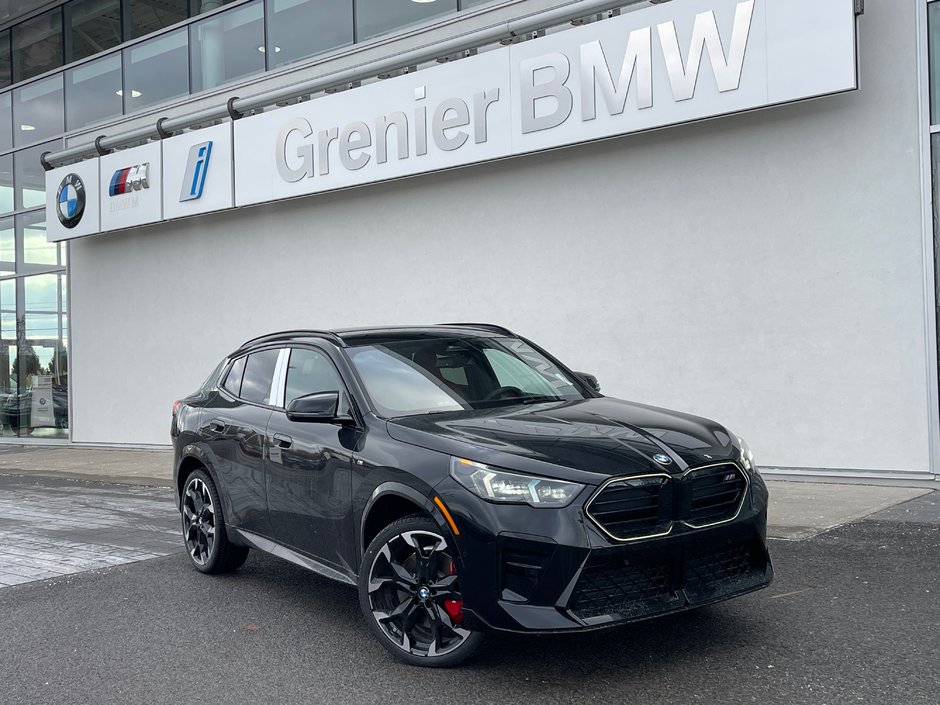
[853, 617]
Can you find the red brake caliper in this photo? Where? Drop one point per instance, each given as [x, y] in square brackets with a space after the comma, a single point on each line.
[454, 608]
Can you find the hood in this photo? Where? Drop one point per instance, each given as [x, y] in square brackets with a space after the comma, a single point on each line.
[588, 440]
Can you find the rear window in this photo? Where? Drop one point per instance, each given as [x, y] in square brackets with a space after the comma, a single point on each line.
[259, 373]
[233, 380]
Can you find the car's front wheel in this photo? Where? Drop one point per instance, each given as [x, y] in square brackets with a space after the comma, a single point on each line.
[204, 528]
[410, 595]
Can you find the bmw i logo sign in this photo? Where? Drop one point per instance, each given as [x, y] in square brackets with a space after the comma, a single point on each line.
[70, 201]
[662, 459]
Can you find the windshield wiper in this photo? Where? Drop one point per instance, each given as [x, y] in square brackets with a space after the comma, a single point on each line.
[539, 399]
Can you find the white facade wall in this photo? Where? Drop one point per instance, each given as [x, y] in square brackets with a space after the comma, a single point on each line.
[765, 270]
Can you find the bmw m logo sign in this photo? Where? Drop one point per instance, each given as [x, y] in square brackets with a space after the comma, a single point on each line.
[128, 179]
[70, 201]
[662, 459]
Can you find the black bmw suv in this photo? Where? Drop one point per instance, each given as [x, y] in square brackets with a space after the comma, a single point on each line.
[465, 481]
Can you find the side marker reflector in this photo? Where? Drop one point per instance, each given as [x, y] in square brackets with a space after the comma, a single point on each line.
[447, 516]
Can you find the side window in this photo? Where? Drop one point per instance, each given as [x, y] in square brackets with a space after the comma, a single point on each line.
[233, 380]
[309, 372]
[259, 372]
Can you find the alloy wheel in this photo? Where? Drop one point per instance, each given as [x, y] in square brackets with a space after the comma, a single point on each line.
[415, 596]
[198, 521]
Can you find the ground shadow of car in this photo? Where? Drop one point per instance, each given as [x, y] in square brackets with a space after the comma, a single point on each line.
[16, 409]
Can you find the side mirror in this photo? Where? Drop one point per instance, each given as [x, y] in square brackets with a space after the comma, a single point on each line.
[320, 407]
[590, 380]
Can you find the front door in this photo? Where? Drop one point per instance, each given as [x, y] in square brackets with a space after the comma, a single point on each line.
[308, 470]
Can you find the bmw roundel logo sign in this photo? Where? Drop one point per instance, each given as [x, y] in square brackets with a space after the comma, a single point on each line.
[70, 201]
[662, 459]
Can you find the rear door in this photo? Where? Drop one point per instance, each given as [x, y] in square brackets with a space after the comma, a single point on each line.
[309, 465]
[233, 425]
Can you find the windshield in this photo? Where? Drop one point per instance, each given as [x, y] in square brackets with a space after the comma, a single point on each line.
[430, 375]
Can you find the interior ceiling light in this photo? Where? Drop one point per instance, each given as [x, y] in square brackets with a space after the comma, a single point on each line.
[27, 128]
[423, 1]
[277, 49]
[134, 93]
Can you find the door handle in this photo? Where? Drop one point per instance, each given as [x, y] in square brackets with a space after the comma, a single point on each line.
[216, 425]
[282, 441]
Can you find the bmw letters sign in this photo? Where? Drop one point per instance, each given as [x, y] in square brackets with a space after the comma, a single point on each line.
[667, 64]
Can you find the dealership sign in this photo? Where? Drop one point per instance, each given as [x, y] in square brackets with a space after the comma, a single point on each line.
[665, 65]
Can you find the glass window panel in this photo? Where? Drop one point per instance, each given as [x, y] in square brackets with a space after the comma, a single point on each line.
[94, 92]
[259, 373]
[6, 121]
[156, 71]
[301, 28]
[309, 372]
[8, 324]
[41, 407]
[37, 45]
[43, 328]
[29, 176]
[38, 110]
[7, 355]
[933, 47]
[8, 295]
[31, 228]
[7, 258]
[225, 47]
[6, 184]
[374, 17]
[464, 4]
[233, 380]
[6, 56]
[148, 16]
[199, 7]
[41, 293]
[93, 26]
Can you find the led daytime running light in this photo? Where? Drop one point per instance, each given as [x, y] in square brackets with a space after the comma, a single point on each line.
[496, 485]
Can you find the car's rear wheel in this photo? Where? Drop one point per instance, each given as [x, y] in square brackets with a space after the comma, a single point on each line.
[409, 591]
[204, 527]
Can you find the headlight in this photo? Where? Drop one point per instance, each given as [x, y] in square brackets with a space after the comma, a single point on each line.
[501, 486]
[747, 457]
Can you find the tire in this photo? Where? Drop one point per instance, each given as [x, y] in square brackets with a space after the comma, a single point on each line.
[203, 526]
[409, 593]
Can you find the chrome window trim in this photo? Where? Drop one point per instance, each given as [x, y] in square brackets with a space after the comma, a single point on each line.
[276, 395]
[604, 486]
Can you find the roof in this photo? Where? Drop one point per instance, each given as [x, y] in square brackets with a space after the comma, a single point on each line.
[362, 336]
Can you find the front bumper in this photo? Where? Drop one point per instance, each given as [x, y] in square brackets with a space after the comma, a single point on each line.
[540, 570]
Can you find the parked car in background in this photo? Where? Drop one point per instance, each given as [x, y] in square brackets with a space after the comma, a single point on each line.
[16, 410]
[465, 481]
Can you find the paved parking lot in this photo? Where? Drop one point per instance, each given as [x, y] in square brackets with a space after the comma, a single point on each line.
[853, 617]
[53, 527]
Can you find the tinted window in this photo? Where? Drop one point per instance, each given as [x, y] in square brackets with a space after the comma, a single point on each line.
[37, 45]
[227, 47]
[38, 111]
[310, 372]
[436, 374]
[233, 381]
[301, 28]
[156, 70]
[148, 16]
[93, 92]
[259, 373]
[374, 17]
[91, 27]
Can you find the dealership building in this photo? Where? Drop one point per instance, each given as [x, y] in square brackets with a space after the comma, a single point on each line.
[723, 207]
